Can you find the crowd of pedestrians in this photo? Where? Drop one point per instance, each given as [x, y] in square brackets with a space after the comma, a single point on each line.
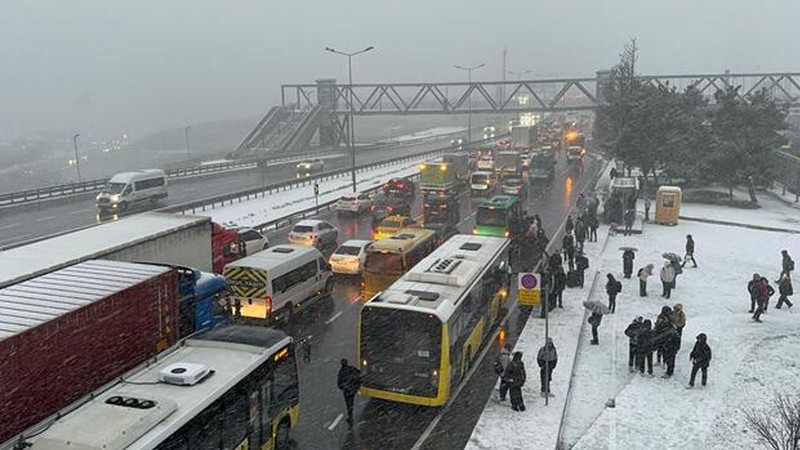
[761, 291]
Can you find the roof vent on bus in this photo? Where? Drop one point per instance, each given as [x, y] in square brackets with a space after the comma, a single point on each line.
[445, 265]
[184, 374]
[397, 297]
[282, 250]
[470, 246]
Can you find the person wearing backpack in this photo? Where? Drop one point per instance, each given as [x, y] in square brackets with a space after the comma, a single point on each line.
[500, 364]
[581, 264]
[613, 287]
[787, 263]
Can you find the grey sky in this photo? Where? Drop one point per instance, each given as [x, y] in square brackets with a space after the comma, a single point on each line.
[143, 65]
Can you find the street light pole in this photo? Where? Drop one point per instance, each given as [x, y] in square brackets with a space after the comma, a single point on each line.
[77, 159]
[351, 116]
[469, 98]
[188, 148]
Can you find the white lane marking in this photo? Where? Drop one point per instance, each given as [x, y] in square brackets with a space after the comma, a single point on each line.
[45, 219]
[11, 225]
[335, 422]
[335, 316]
[80, 211]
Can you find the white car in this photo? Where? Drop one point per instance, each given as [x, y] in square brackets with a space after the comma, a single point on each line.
[349, 258]
[314, 233]
[310, 166]
[252, 241]
[354, 203]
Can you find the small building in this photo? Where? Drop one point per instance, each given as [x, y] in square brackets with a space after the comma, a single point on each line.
[668, 205]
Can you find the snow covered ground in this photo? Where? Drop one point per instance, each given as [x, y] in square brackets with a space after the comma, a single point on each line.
[282, 204]
[773, 212]
[752, 362]
[429, 133]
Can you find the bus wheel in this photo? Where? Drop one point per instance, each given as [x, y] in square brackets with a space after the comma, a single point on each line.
[286, 315]
[282, 436]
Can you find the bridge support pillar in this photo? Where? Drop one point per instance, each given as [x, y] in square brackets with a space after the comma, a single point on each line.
[326, 99]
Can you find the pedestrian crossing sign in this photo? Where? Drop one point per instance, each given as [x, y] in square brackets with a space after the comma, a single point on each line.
[529, 292]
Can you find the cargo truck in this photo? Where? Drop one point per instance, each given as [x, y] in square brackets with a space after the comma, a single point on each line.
[183, 240]
[543, 166]
[67, 333]
[524, 137]
[508, 164]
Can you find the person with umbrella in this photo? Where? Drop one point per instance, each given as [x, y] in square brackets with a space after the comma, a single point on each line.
[643, 274]
[597, 309]
[628, 256]
[667, 278]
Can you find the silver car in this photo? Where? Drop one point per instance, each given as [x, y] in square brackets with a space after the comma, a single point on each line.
[314, 233]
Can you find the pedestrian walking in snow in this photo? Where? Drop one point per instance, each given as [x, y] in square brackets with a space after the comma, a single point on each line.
[753, 291]
[580, 204]
[349, 381]
[787, 263]
[671, 344]
[644, 350]
[770, 292]
[627, 262]
[643, 274]
[662, 326]
[613, 173]
[689, 251]
[700, 358]
[581, 264]
[646, 208]
[632, 331]
[593, 225]
[678, 318]
[568, 244]
[555, 262]
[613, 287]
[591, 205]
[594, 321]
[762, 297]
[785, 290]
[630, 217]
[570, 225]
[559, 285]
[515, 376]
[547, 360]
[500, 364]
[580, 233]
[667, 278]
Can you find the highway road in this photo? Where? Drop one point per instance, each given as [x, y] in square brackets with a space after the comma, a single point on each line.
[26, 222]
[331, 328]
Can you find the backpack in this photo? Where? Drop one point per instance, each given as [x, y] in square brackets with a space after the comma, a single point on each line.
[619, 287]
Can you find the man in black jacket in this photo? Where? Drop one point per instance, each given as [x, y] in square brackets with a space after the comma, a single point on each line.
[515, 376]
[787, 263]
[671, 345]
[581, 264]
[349, 381]
[689, 251]
[701, 358]
[594, 321]
[633, 335]
[547, 360]
[751, 289]
[644, 349]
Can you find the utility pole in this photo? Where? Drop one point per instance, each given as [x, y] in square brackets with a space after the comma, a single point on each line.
[77, 158]
[469, 98]
[350, 121]
[188, 148]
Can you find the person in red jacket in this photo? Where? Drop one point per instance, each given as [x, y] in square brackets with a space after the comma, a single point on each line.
[761, 290]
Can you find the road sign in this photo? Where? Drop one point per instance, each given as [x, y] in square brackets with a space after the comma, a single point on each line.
[316, 188]
[529, 291]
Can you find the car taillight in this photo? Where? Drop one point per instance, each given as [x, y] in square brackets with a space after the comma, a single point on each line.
[474, 231]
[268, 305]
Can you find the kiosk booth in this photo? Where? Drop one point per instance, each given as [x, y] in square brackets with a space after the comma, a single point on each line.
[668, 205]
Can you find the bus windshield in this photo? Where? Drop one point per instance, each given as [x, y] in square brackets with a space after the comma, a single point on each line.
[384, 263]
[400, 350]
[492, 217]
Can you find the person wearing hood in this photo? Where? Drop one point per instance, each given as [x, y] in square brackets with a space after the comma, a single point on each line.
[787, 263]
[752, 289]
[627, 262]
[667, 278]
[701, 358]
[613, 287]
[570, 225]
[678, 318]
[500, 365]
[633, 335]
[785, 290]
[671, 343]
[644, 350]
[762, 290]
[349, 381]
[547, 360]
[662, 326]
[643, 274]
[515, 376]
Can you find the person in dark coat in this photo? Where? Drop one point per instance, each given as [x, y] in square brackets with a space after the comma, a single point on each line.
[633, 335]
[787, 263]
[751, 289]
[762, 296]
[770, 292]
[662, 326]
[515, 376]
[700, 358]
[591, 206]
[689, 251]
[555, 261]
[676, 266]
[580, 233]
[785, 290]
[501, 363]
[627, 262]
[594, 321]
[630, 217]
[559, 285]
[547, 360]
[349, 381]
[538, 222]
[643, 274]
[613, 173]
[581, 264]
[568, 244]
[570, 225]
[613, 287]
[593, 224]
[644, 350]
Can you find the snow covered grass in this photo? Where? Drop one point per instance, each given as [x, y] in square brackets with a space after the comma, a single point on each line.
[281, 204]
[751, 362]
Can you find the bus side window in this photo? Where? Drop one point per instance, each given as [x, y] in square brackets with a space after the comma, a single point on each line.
[205, 434]
[235, 420]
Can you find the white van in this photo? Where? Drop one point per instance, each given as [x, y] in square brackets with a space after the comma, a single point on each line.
[277, 282]
[129, 189]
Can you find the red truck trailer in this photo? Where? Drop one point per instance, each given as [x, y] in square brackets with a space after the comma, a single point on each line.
[68, 332]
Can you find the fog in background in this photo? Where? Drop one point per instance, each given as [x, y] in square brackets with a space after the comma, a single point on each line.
[145, 65]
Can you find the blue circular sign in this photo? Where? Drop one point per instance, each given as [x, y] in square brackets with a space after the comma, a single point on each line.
[529, 281]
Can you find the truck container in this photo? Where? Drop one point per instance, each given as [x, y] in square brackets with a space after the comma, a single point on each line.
[543, 165]
[459, 163]
[190, 241]
[524, 136]
[66, 333]
[508, 163]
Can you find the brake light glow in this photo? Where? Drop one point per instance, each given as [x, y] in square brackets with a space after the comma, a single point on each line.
[475, 230]
[507, 234]
[268, 305]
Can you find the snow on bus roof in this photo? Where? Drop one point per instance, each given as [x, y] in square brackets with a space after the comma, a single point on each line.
[28, 261]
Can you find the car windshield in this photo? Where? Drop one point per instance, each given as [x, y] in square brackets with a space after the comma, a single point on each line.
[493, 217]
[347, 250]
[348, 199]
[392, 223]
[114, 188]
[302, 229]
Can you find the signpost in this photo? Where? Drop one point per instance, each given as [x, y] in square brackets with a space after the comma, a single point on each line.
[316, 197]
[529, 291]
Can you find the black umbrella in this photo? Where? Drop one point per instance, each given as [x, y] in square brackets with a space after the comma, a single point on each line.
[596, 307]
[625, 249]
[672, 256]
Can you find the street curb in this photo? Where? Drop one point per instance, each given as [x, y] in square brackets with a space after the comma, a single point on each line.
[740, 225]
